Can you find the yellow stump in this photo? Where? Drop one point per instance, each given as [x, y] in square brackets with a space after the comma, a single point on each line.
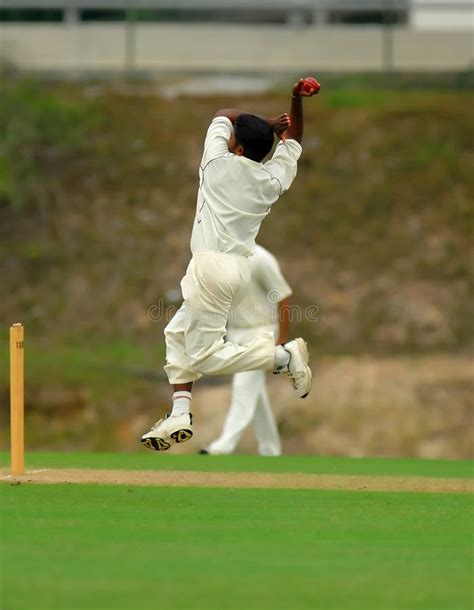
[17, 434]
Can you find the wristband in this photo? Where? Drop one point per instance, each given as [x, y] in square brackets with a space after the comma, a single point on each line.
[296, 97]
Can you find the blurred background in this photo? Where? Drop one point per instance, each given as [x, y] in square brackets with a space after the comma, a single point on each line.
[103, 110]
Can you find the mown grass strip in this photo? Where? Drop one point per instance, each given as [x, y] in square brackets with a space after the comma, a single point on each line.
[147, 460]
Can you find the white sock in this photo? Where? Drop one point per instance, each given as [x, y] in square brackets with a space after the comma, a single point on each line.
[282, 357]
[181, 403]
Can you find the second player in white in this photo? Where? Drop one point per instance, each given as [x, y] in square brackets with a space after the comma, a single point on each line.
[261, 306]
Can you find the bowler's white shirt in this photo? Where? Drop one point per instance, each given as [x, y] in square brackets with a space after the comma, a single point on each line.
[255, 305]
[235, 193]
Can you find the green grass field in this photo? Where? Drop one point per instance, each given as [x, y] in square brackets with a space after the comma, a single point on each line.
[101, 547]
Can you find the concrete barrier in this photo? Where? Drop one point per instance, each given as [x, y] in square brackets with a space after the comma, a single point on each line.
[153, 47]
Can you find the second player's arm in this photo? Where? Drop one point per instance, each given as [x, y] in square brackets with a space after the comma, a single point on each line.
[284, 320]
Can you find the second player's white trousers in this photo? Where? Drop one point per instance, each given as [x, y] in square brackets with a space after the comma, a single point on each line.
[195, 337]
[250, 405]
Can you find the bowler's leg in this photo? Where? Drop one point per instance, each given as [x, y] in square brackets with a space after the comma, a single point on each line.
[178, 366]
[176, 427]
[209, 288]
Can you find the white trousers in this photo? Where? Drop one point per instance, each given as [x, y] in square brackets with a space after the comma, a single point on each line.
[195, 337]
[249, 405]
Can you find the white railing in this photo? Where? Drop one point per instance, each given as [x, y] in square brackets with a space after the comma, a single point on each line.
[207, 4]
[423, 14]
[316, 9]
[74, 46]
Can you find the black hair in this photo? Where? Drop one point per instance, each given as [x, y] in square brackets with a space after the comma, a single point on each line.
[255, 135]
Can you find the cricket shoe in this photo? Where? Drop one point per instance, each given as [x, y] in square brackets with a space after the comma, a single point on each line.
[298, 368]
[171, 429]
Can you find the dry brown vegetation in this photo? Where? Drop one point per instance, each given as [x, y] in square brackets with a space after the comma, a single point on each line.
[97, 195]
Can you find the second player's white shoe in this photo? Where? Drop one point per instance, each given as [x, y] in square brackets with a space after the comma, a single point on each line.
[171, 429]
[298, 368]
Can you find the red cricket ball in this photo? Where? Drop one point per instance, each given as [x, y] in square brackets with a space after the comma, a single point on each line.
[311, 85]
